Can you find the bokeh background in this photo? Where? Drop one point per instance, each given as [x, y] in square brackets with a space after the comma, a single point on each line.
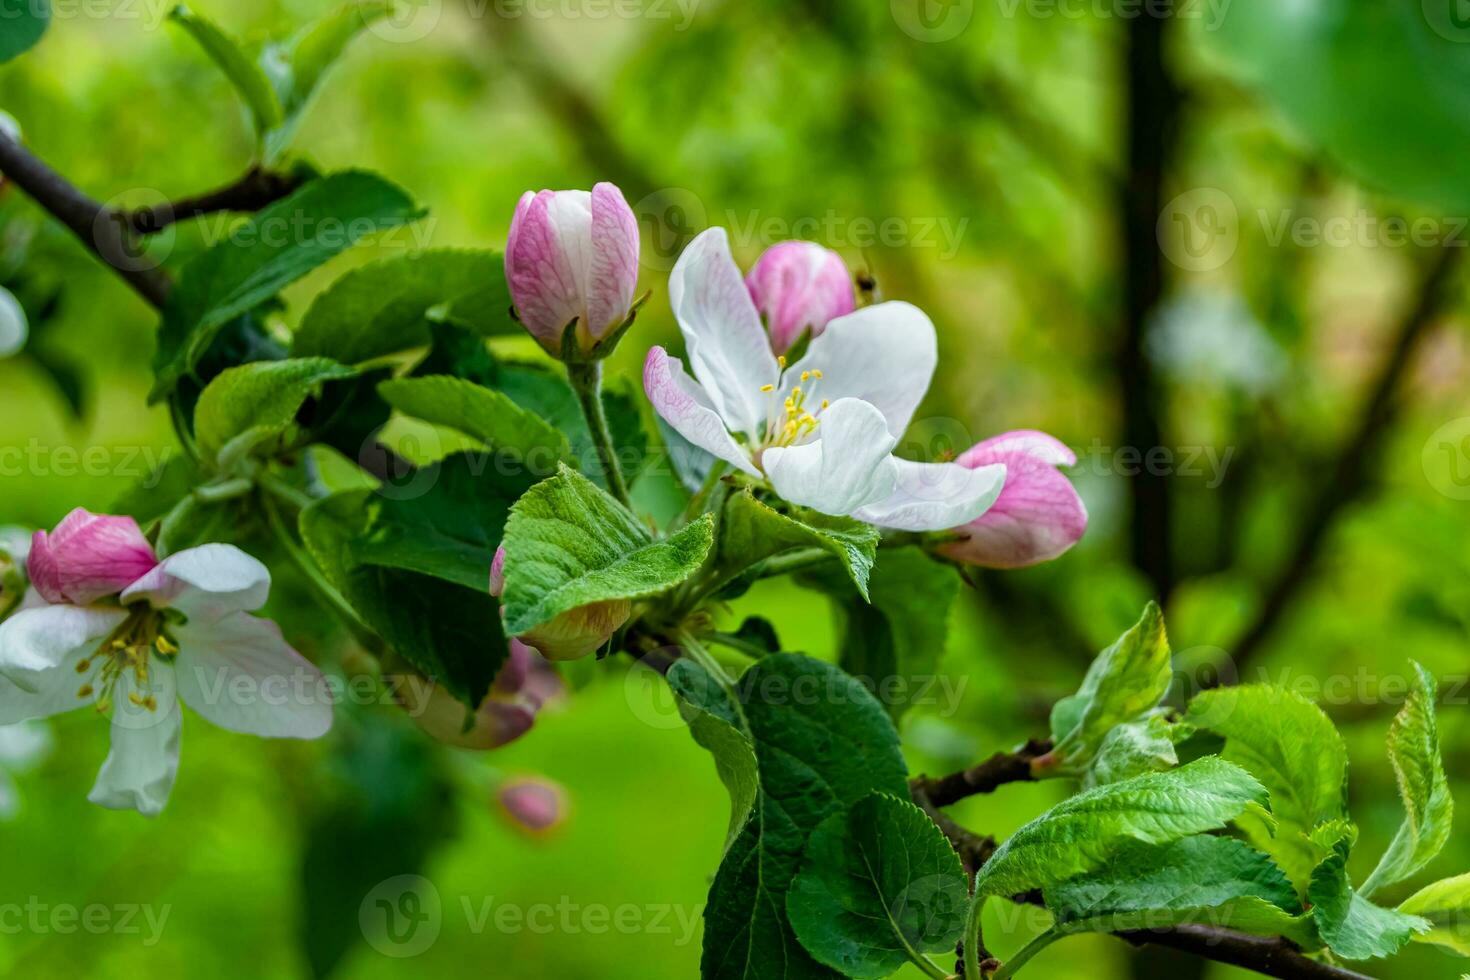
[1171, 234]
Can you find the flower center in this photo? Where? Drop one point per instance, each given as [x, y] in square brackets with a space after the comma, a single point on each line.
[127, 649]
[791, 419]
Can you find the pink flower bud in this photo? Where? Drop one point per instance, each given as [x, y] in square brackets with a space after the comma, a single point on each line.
[524, 684]
[533, 804]
[1038, 515]
[572, 255]
[87, 557]
[799, 285]
[576, 632]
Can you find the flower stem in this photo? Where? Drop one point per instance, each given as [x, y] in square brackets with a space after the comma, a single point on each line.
[704, 658]
[303, 561]
[699, 503]
[586, 379]
[1014, 964]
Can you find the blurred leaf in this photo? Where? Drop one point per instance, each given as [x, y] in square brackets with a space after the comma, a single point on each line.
[1084, 833]
[380, 308]
[455, 351]
[879, 886]
[751, 532]
[245, 405]
[64, 374]
[265, 253]
[25, 21]
[568, 544]
[243, 73]
[160, 489]
[525, 442]
[1353, 927]
[1446, 906]
[1429, 810]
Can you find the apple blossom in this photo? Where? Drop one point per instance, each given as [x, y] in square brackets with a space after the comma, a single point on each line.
[799, 286]
[87, 557]
[1038, 515]
[821, 431]
[572, 255]
[179, 633]
[522, 687]
[576, 632]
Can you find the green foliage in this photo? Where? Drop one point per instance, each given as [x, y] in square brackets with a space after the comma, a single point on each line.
[381, 308]
[1124, 684]
[717, 724]
[879, 885]
[821, 743]
[243, 406]
[247, 77]
[1429, 810]
[1083, 833]
[1136, 747]
[1445, 905]
[751, 532]
[265, 253]
[1353, 927]
[1292, 747]
[526, 442]
[569, 544]
[24, 21]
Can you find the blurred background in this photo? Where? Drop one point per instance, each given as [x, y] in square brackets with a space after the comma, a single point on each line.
[1218, 252]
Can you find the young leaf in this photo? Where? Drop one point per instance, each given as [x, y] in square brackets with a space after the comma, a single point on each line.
[1353, 927]
[265, 253]
[1413, 747]
[252, 84]
[525, 443]
[1124, 683]
[1292, 747]
[568, 544]
[1446, 906]
[25, 22]
[379, 308]
[1084, 832]
[1134, 748]
[879, 885]
[821, 743]
[258, 400]
[751, 532]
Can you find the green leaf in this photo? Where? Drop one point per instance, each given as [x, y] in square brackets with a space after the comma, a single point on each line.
[450, 632]
[1124, 683]
[894, 638]
[1084, 832]
[1291, 746]
[252, 84]
[1429, 810]
[879, 885]
[716, 722]
[265, 253]
[1136, 747]
[525, 444]
[821, 743]
[25, 21]
[254, 402]
[569, 544]
[1379, 86]
[548, 395]
[1353, 927]
[380, 308]
[751, 532]
[1446, 906]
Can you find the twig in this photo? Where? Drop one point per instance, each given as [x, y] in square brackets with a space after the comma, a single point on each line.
[255, 189]
[1273, 957]
[994, 772]
[1350, 476]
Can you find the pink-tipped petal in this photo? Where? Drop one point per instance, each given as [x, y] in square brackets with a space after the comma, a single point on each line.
[88, 556]
[613, 274]
[1038, 515]
[546, 285]
[497, 572]
[798, 286]
[685, 405]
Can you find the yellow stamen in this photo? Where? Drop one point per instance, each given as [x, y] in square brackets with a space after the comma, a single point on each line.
[151, 703]
[825, 403]
[768, 387]
[806, 376]
[816, 373]
[85, 691]
[781, 361]
[83, 666]
[165, 645]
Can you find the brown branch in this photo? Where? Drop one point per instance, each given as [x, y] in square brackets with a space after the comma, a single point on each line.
[1270, 957]
[255, 189]
[94, 225]
[1350, 476]
[994, 772]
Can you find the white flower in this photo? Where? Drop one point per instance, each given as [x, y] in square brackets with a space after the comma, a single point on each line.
[821, 431]
[181, 633]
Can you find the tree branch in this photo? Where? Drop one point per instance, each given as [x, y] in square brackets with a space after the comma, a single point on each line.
[1350, 476]
[994, 772]
[95, 226]
[253, 190]
[1273, 957]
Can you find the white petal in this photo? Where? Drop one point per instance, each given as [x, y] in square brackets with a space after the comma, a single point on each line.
[847, 467]
[205, 583]
[883, 354]
[242, 676]
[684, 404]
[55, 693]
[935, 496]
[36, 643]
[728, 349]
[144, 759]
